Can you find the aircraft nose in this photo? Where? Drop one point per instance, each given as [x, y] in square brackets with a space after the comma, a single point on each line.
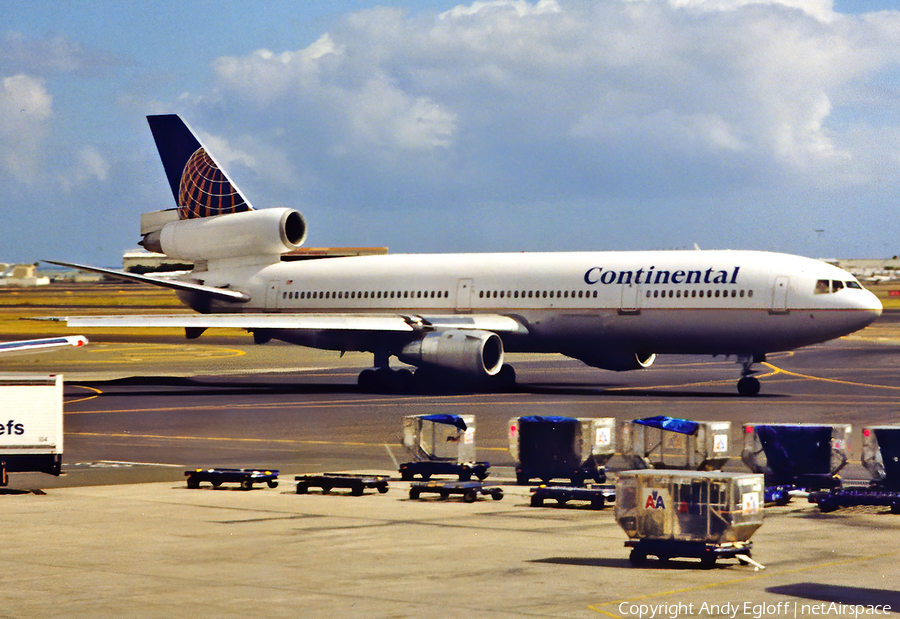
[870, 307]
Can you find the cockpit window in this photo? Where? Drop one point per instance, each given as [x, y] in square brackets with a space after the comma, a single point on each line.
[822, 287]
[854, 284]
[836, 285]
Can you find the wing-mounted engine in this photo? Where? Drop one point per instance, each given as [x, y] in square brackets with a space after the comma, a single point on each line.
[617, 361]
[469, 352]
[266, 232]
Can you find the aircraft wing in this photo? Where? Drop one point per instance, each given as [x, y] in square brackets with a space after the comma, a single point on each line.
[313, 322]
[41, 345]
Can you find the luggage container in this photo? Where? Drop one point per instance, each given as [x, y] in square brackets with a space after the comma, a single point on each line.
[441, 444]
[671, 443]
[561, 447]
[701, 514]
[800, 456]
[881, 454]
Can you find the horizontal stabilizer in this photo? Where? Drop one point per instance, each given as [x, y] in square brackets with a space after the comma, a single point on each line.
[219, 293]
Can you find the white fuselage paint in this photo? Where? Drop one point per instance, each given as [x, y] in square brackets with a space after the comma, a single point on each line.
[707, 302]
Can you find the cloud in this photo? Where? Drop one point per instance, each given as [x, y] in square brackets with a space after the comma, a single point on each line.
[25, 109]
[49, 55]
[543, 107]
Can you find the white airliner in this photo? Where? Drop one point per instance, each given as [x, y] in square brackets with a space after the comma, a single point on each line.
[454, 315]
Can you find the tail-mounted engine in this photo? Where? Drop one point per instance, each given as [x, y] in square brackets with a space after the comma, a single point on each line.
[472, 353]
[270, 231]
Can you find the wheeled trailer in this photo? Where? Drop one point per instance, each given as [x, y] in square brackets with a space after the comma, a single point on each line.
[245, 477]
[468, 489]
[427, 468]
[598, 495]
[356, 483]
[708, 554]
[829, 501]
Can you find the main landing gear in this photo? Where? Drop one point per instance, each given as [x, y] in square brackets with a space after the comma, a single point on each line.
[748, 385]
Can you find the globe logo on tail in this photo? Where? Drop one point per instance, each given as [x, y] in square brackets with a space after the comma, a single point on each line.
[205, 191]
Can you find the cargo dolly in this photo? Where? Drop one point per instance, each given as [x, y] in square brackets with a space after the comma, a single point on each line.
[597, 494]
[708, 553]
[245, 477]
[356, 483]
[427, 468]
[855, 496]
[468, 489]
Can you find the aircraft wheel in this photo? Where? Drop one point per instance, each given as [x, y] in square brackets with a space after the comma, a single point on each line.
[402, 381]
[748, 386]
[505, 379]
[367, 381]
[637, 557]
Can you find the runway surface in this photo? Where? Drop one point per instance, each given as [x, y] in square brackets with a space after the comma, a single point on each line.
[97, 543]
[226, 402]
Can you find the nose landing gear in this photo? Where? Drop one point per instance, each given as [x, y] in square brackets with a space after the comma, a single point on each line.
[749, 385]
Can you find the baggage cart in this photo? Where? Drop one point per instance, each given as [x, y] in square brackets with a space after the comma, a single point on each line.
[797, 456]
[425, 470]
[856, 496]
[671, 443]
[576, 449]
[706, 515]
[598, 495]
[470, 490]
[881, 458]
[441, 444]
[245, 477]
[881, 454]
[327, 481]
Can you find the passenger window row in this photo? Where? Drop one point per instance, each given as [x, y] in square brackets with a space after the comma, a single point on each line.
[679, 294]
[537, 294]
[366, 294]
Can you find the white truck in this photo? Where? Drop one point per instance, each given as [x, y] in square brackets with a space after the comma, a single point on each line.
[31, 424]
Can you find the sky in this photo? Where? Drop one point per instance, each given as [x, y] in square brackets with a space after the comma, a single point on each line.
[438, 126]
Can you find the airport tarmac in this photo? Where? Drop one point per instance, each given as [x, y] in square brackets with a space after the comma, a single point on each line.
[95, 542]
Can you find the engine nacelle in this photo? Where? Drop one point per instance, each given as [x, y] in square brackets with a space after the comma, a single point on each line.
[473, 353]
[253, 233]
[618, 361]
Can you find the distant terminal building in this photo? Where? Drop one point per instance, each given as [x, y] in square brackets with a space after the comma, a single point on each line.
[870, 270]
[23, 275]
[140, 261]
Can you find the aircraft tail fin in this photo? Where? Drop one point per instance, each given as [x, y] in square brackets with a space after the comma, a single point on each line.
[200, 186]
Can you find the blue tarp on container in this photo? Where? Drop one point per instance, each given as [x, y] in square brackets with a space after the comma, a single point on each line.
[671, 424]
[450, 420]
[546, 419]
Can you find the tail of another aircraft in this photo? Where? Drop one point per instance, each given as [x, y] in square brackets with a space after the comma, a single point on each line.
[200, 186]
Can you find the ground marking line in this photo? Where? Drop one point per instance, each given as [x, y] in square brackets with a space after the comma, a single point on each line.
[777, 370]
